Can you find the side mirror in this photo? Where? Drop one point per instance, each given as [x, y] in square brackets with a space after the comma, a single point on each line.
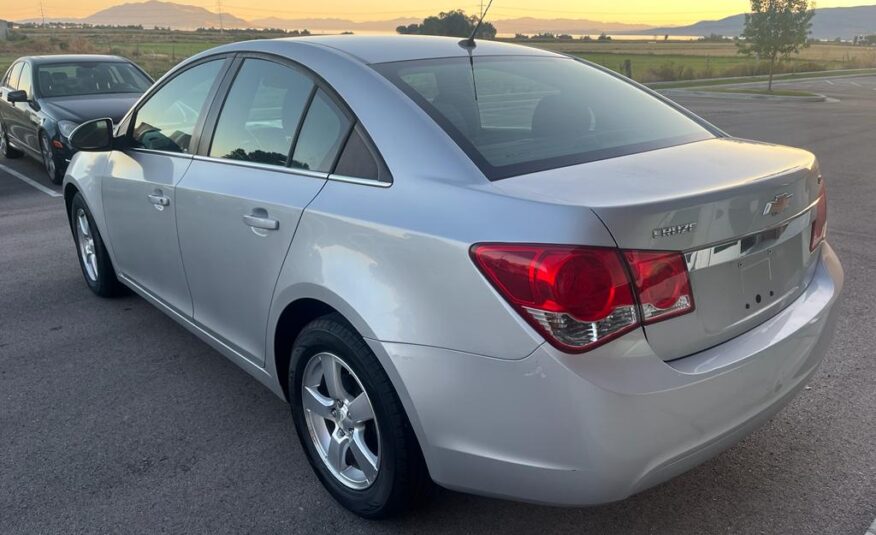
[95, 136]
[17, 96]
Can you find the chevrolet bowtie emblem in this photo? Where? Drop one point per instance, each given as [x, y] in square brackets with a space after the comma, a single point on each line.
[779, 204]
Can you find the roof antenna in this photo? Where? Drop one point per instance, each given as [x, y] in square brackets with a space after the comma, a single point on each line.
[470, 42]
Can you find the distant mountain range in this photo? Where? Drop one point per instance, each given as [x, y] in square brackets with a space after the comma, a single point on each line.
[180, 16]
[829, 23]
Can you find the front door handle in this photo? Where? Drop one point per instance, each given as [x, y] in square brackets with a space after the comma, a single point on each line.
[260, 222]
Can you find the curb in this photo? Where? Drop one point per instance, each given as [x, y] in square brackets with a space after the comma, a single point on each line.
[739, 96]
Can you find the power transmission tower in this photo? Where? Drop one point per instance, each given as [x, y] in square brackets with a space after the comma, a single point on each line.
[42, 13]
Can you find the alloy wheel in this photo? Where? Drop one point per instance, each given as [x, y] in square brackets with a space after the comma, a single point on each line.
[341, 421]
[85, 240]
[48, 158]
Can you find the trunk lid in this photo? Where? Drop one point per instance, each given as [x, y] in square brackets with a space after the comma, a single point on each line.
[740, 211]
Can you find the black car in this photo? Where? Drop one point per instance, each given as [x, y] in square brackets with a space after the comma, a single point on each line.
[44, 98]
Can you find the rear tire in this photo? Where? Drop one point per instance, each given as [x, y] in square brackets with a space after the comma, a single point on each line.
[400, 480]
[5, 148]
[53, 168]
[97, 269]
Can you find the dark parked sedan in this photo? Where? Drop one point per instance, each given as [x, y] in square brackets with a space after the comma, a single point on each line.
[44, 98]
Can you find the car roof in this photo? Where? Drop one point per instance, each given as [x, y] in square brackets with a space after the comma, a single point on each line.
[73, 58]
[388, 48]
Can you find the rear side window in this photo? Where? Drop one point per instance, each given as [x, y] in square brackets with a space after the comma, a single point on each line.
[167, 120]
[359, 159]
[324, 130]
[261, 114]
[12, 79]
[516, 115]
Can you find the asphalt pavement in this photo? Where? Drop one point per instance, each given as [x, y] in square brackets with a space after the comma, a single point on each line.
[114, 419]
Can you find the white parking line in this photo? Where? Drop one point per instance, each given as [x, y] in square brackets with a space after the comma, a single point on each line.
[26, 180]
[872, 530]
[828, 81]
[856, 84]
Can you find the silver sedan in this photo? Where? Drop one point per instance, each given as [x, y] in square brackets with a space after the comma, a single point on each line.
[495, 268]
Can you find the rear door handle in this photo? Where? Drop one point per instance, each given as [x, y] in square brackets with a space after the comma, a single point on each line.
[265, 223]
[159, 200]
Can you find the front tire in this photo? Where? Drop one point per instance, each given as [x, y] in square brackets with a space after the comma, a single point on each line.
[5, 148]
[53, 168]
[97, 269]
[351, 423]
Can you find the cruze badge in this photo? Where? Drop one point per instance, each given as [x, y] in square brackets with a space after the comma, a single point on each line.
[779, 204]
[675, 230]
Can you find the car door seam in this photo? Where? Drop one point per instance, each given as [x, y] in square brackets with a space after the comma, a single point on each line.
[268, 343]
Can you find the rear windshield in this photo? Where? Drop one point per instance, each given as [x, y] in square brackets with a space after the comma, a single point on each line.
[90, 78]
[517, 115]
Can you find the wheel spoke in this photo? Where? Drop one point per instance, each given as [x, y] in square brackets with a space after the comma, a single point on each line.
[331, 370]
[366, 461]
[337, 450]
[360, 410]
[317, 403]
[83, 225]
[92, 259]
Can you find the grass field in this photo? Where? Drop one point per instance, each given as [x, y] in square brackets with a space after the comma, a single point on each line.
[658, 61]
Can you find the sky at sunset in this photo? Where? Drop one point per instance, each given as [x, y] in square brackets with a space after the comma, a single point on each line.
[664, 12]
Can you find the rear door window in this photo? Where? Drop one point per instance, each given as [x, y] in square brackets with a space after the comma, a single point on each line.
[323, 132]
[261, 114]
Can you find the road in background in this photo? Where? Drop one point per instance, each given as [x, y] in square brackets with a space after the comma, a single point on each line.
[115, 419]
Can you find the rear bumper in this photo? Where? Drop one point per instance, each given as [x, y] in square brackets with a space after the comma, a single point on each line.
[577, 430]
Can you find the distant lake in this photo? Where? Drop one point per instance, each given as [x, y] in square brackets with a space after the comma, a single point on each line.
[621, 37]
[614, 37]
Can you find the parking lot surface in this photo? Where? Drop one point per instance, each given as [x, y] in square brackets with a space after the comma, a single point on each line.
[114, 419]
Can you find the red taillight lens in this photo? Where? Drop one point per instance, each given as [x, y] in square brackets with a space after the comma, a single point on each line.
[662, 282]
[819, 226]
[577, 297]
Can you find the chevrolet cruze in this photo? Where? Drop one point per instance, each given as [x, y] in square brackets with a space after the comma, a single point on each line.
[495, 268]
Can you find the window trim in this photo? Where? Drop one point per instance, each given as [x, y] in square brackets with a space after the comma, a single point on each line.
[205, 139]
[130, 119]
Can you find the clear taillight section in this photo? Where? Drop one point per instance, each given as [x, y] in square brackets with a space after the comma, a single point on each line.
[819, 225]
[579, 298]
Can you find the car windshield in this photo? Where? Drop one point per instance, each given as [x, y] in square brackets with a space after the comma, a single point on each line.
[90, 78]
[517, 115]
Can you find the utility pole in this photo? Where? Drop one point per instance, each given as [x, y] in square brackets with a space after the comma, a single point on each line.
[219, 8]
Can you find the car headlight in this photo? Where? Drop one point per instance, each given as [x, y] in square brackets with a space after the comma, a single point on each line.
[67, 127]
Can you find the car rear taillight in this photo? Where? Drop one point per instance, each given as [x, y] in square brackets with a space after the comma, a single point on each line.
[819, 225]
[662, 282]
[579, 298]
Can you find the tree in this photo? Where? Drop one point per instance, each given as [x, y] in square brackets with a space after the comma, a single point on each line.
[450, 23]
[775, 29]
